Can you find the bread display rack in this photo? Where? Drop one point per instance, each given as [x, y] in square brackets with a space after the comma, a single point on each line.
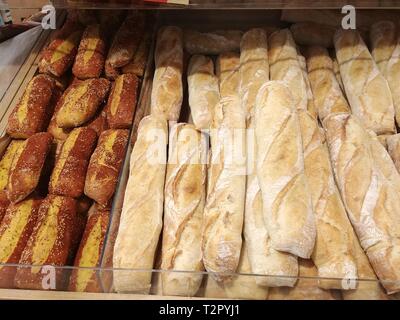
[228, 54]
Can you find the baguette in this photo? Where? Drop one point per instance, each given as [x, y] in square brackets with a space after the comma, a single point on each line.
[313, 34]
[30, 114]
[80, 102]
[167, 92]
[369, 185]
[89, 253]
[285, 66]
[105, 164]
[122, 102]
[383, 140]
[280, 169]
[49, 243]
[311, 108]
[27, 166]
[89, 62]
[138, 64]
[185, 192]
[386, 52]
[15, 230]
[367, 90]
[212, 43]
[228, 65]
[336, 71]
[203, 90]
[328, 96]
[68, 177]
[141, 217]
[393, 147]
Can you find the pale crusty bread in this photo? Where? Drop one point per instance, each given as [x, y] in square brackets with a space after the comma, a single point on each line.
[311, 108]
[280, 170]
[228, 65]
[393, 147]
[167, 92]
[185, 193]
[336, 71]
[370, 189]
[367, 90]
[141, 217]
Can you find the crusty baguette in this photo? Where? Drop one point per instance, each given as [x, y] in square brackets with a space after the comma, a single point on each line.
[80, 102]
[31, 113]
[367, 90]
[383, 140]
[203, 90]
[313, 34]
[311, 108]
[280, 169]
[167, 92]
[285, 66]
[121, 104]
[137, 65]
[141, 217]
[89, 253]
[15, 230]
[105, 164]
[393, 147]
[89, 62]
[27, 166]
[254, 67]
[212, 43]
[49, 243]
[69, 174]
[328, 97]
[385, 46]
[336, 71]
[185, 193]
[227, 69]
[369, 185]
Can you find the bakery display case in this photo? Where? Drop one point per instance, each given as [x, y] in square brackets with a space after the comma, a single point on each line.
[86, 214]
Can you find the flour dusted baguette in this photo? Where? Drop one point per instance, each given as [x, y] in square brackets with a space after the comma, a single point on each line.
[141, 218]
[203, 90]
[311, 108]
[393, 147]
[280, 170]
[336, 71]
[369, 185]
[328, 97]
[367, 90]
[185, 192]
[212, 43]
[285, 66]
[167, 92]
[313, 34]
[228, 65]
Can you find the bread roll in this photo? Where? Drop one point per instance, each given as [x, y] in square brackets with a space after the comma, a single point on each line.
[313, 34]
[285, 66]
[393, 147]
[228, 65]
[185, 193]
[366, 89]
[328, 96]
[203, 90]
[167, 92]
[141, 217]
[369, 185]
[212, 43]
[280, 170]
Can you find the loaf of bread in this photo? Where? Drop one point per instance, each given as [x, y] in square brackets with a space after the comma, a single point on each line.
[288, 210]
[185, 194]
[31, 113]
[89, 253]
[313, 34]
[49, 243]
[328, 96]
[386, 52]
[138, 64]
[167, 92]
[80, 102]
[336, 70]
[15, 230]
[141, 218]
[58, 133]
[122, 102]
[254, 67]
[27, 165]
[393, 147]
[227, 69]
[285, 66]
[69, 174]
[311, 108]
[110, 72]
[203, 90]
[367, 90]
[89, 62]
[105, 164]
[369, 185]
[212, 43]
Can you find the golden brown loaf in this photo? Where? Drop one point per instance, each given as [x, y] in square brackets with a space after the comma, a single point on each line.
[328, 97]
[383, 139]
[369, 185]
[227, 68]
[141, 217]
[185, 193]
[280, 169]
[167, 92]
[367, 90]
[137, 65]
[203, 90]
[393, 147]
[313, 34]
